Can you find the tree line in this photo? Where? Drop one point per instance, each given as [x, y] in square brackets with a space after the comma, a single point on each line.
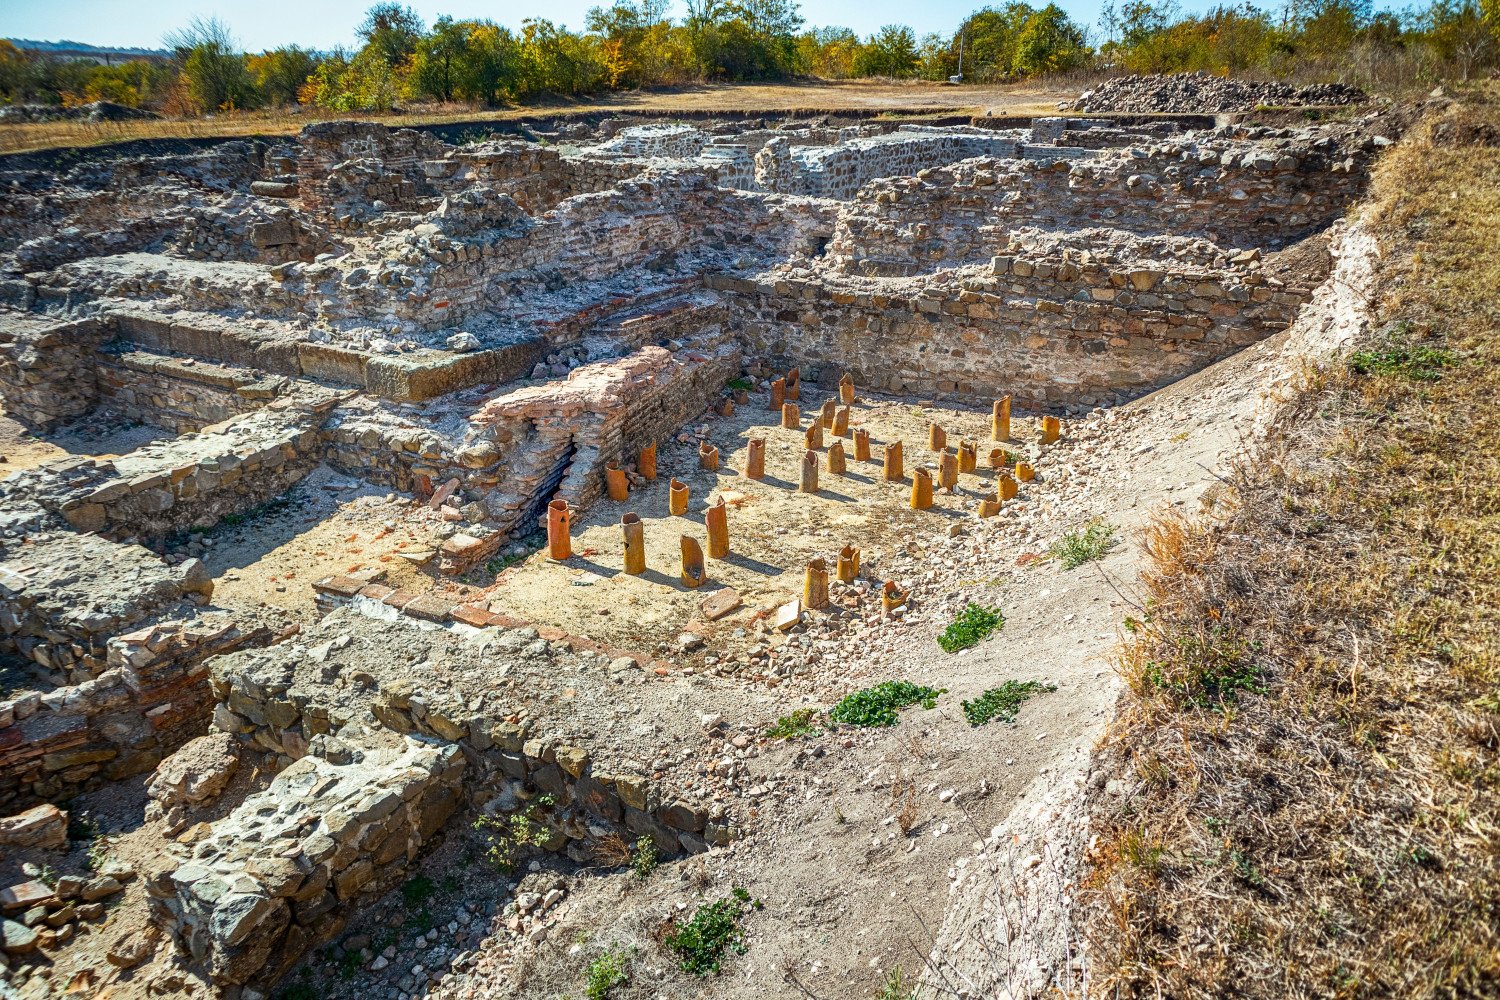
[637, 44]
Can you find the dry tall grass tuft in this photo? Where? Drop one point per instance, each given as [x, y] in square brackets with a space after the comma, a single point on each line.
[1309, 741]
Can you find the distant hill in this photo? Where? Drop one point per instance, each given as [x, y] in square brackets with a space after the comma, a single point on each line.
[80, 50]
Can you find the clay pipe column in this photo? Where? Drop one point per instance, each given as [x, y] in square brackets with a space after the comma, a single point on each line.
[997, 459]
[846, 390]
[559, 521]
[921, 489]
[1008, 487]
[826, 415]
[755, 459]
[948, 469]
[937, 438]
[725, 407]
[989, 506]
[809, 472]
[861, 445]
[794, 384]
[646, 463]
[968, 456]
[635, 544]
[791, 417]
[693, 574]
[814, 436]
[1051, 430]
[616, 482]
[848, 564]
[1024, 472]
[891, 597]
[895, 472]
[836, 458]
[708, 457]
[717, 519]
[778, 394]
[841, 422]
[1000, 419]
[677, 497]
[815, 585]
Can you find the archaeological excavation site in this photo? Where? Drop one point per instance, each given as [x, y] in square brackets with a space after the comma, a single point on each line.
[677, 553]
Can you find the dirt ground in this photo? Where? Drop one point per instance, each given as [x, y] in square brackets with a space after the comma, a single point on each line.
[21, 449]
[813, 97]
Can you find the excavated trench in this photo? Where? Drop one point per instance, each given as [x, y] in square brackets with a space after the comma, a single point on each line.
[361, 306]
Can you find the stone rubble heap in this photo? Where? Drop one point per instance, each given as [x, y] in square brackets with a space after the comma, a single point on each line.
[1204, 94]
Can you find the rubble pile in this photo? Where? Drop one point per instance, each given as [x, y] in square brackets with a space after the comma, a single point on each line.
[1205, 94]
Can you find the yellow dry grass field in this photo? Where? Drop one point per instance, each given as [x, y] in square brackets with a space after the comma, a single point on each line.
[900, 98]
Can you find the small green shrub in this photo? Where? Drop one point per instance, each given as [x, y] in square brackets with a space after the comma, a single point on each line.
[799, 724]
[1411, 362]
[1078, 547]
[1002, 702]
[741, 384]
[417, 890]
[605, 973]
[644, 858]
[878, 705]
[507, 836]
[974, 624]
[715, 928]
[896, 986]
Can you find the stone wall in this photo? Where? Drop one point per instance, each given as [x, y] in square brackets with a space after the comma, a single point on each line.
[838, 171]
[284, 871]
[1239, 196]
[178, 394]
[348, 172]
[1052, 332]
[47, 368]
[194, 480]
[152, 697]
[63, 595]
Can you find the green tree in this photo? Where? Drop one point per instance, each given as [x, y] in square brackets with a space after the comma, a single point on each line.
[1049, 42]
[281, 73]
[892, 52]
[212, 66]
[393, 31]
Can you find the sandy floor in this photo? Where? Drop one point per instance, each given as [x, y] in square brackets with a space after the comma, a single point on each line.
[21, 448]
[774, 529]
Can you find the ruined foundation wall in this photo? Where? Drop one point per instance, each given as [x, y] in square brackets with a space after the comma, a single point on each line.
[47, 368]
[964, 213]
[284, 871]
[178, 394]
[1095, 336]
[152, 697]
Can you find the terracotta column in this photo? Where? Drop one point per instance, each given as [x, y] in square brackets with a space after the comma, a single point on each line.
[894, 471]
[616, 482]
[826, 415]
[948, 469]
[997, 459]
[1000, 419]
[846, 390]
[559, 521]
[708, 456]
[968, 456]
[646, 462]
[841, 422]
[791, 417]
[1024, 472]
[848, 563]
[778, 394]
[677, 497]
[921, 489]
[836, 458]
[726, 407]
[989, 506]
[755, 459]
[1008, 487]
[809, 472]
[794, 384]
[861, 445]
[814, 436]
[815, 585]
[937, 438]
[717, 519]
[693, 573]
[891, 597]
[635, 544]
[1051, 429]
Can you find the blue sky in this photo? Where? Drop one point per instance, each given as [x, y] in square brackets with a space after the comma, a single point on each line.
[322, 25]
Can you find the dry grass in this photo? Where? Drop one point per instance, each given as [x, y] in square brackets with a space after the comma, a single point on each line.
[897, 97]
[1311, 731]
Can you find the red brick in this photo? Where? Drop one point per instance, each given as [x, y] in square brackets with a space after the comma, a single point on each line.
[429, 608]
